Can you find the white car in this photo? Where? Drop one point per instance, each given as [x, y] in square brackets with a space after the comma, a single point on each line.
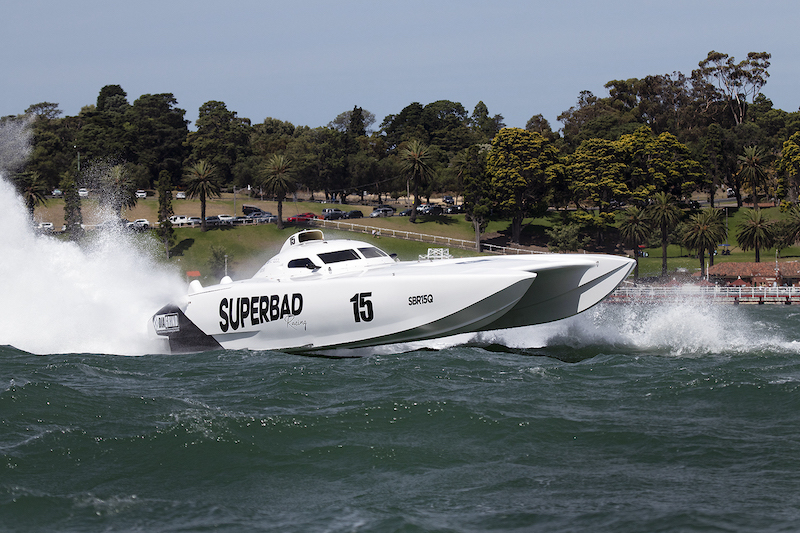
[225, 219]
[141, 194]
[180, 195]
[139, 224]
[83, 192]
[382, 212]
[179, 219]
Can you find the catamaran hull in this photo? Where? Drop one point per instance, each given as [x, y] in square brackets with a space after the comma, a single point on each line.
[399, 303]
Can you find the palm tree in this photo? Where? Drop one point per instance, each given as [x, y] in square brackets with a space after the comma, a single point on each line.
[33, 190]
[118, 189]
[201, 182]
[664, 213]
[753, 170]
[278, 181]
[635, 227]
[756, 232]
[417, 159]
[704, 231]
[791, 226]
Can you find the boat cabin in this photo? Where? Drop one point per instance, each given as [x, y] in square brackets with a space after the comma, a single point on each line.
[308, 253]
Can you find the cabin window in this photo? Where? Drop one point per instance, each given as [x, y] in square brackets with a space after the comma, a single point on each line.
[371, 252]
[301, 263]
[338, 256]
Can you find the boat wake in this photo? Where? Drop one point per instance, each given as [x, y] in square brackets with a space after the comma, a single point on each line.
[672, 329]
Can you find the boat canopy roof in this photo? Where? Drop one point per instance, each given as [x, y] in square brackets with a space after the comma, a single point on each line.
[307, 252]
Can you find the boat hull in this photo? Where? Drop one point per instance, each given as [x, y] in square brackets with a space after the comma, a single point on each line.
[402, 303]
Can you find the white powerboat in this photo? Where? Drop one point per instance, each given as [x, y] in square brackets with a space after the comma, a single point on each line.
[319, 294]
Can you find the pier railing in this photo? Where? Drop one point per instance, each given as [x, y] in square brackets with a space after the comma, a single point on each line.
[735, 295]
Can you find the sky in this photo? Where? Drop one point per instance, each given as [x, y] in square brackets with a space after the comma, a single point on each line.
[307, 61]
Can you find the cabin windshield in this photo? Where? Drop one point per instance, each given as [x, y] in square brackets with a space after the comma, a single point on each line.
[371, 252]
[338, 256]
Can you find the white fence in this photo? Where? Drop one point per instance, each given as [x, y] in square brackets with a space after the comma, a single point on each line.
[735, 295]
[420, 237]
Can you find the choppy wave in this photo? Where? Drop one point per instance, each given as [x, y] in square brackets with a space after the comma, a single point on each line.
[466, 438]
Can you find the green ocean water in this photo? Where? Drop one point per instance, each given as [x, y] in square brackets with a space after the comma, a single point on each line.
[626, 418]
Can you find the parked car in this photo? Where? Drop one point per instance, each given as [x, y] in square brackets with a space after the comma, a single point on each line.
[386, 206]
[382, 212]
[448, 200]
[332, 213]
[405, 213]
[266, 218]
[140, 224]
[194, 220]
[241, 220]
[179, 219]
[83, 192]
[180, 195]
[212, 220]
[454, 209]
[355, 213]
[302, 217]
[141, 194]
[248, 209]
[259, 214]
[57, 192]
[225, 219]
[428, 209]
[730, 193]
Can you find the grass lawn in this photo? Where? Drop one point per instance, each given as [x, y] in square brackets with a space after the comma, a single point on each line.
[248, 247]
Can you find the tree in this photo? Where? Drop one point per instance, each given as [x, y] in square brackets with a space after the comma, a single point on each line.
[789, 167]
[356, 122]
[566, 237]
[477, 190]
[635, 227]
[659, 163]
[597, 168]
[756, 232]
[278, 181]
[752, 169]
[541, 125]
[73, 218]
[665, 215]
[111, 97]
[521, 165]
[33, 190]
[117, 189]
[416, 161]
[221, 138]
[485, 126]
[789, 227]
[165, 231]
[704, 230]
[201, 182]
[156, 131]
[736, 81]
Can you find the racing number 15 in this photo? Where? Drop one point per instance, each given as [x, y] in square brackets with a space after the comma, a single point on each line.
[362, 307]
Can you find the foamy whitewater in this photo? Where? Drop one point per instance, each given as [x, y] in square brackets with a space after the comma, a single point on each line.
[60, 298]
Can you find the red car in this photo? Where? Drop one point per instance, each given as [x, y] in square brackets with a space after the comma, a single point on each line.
[302, 217]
